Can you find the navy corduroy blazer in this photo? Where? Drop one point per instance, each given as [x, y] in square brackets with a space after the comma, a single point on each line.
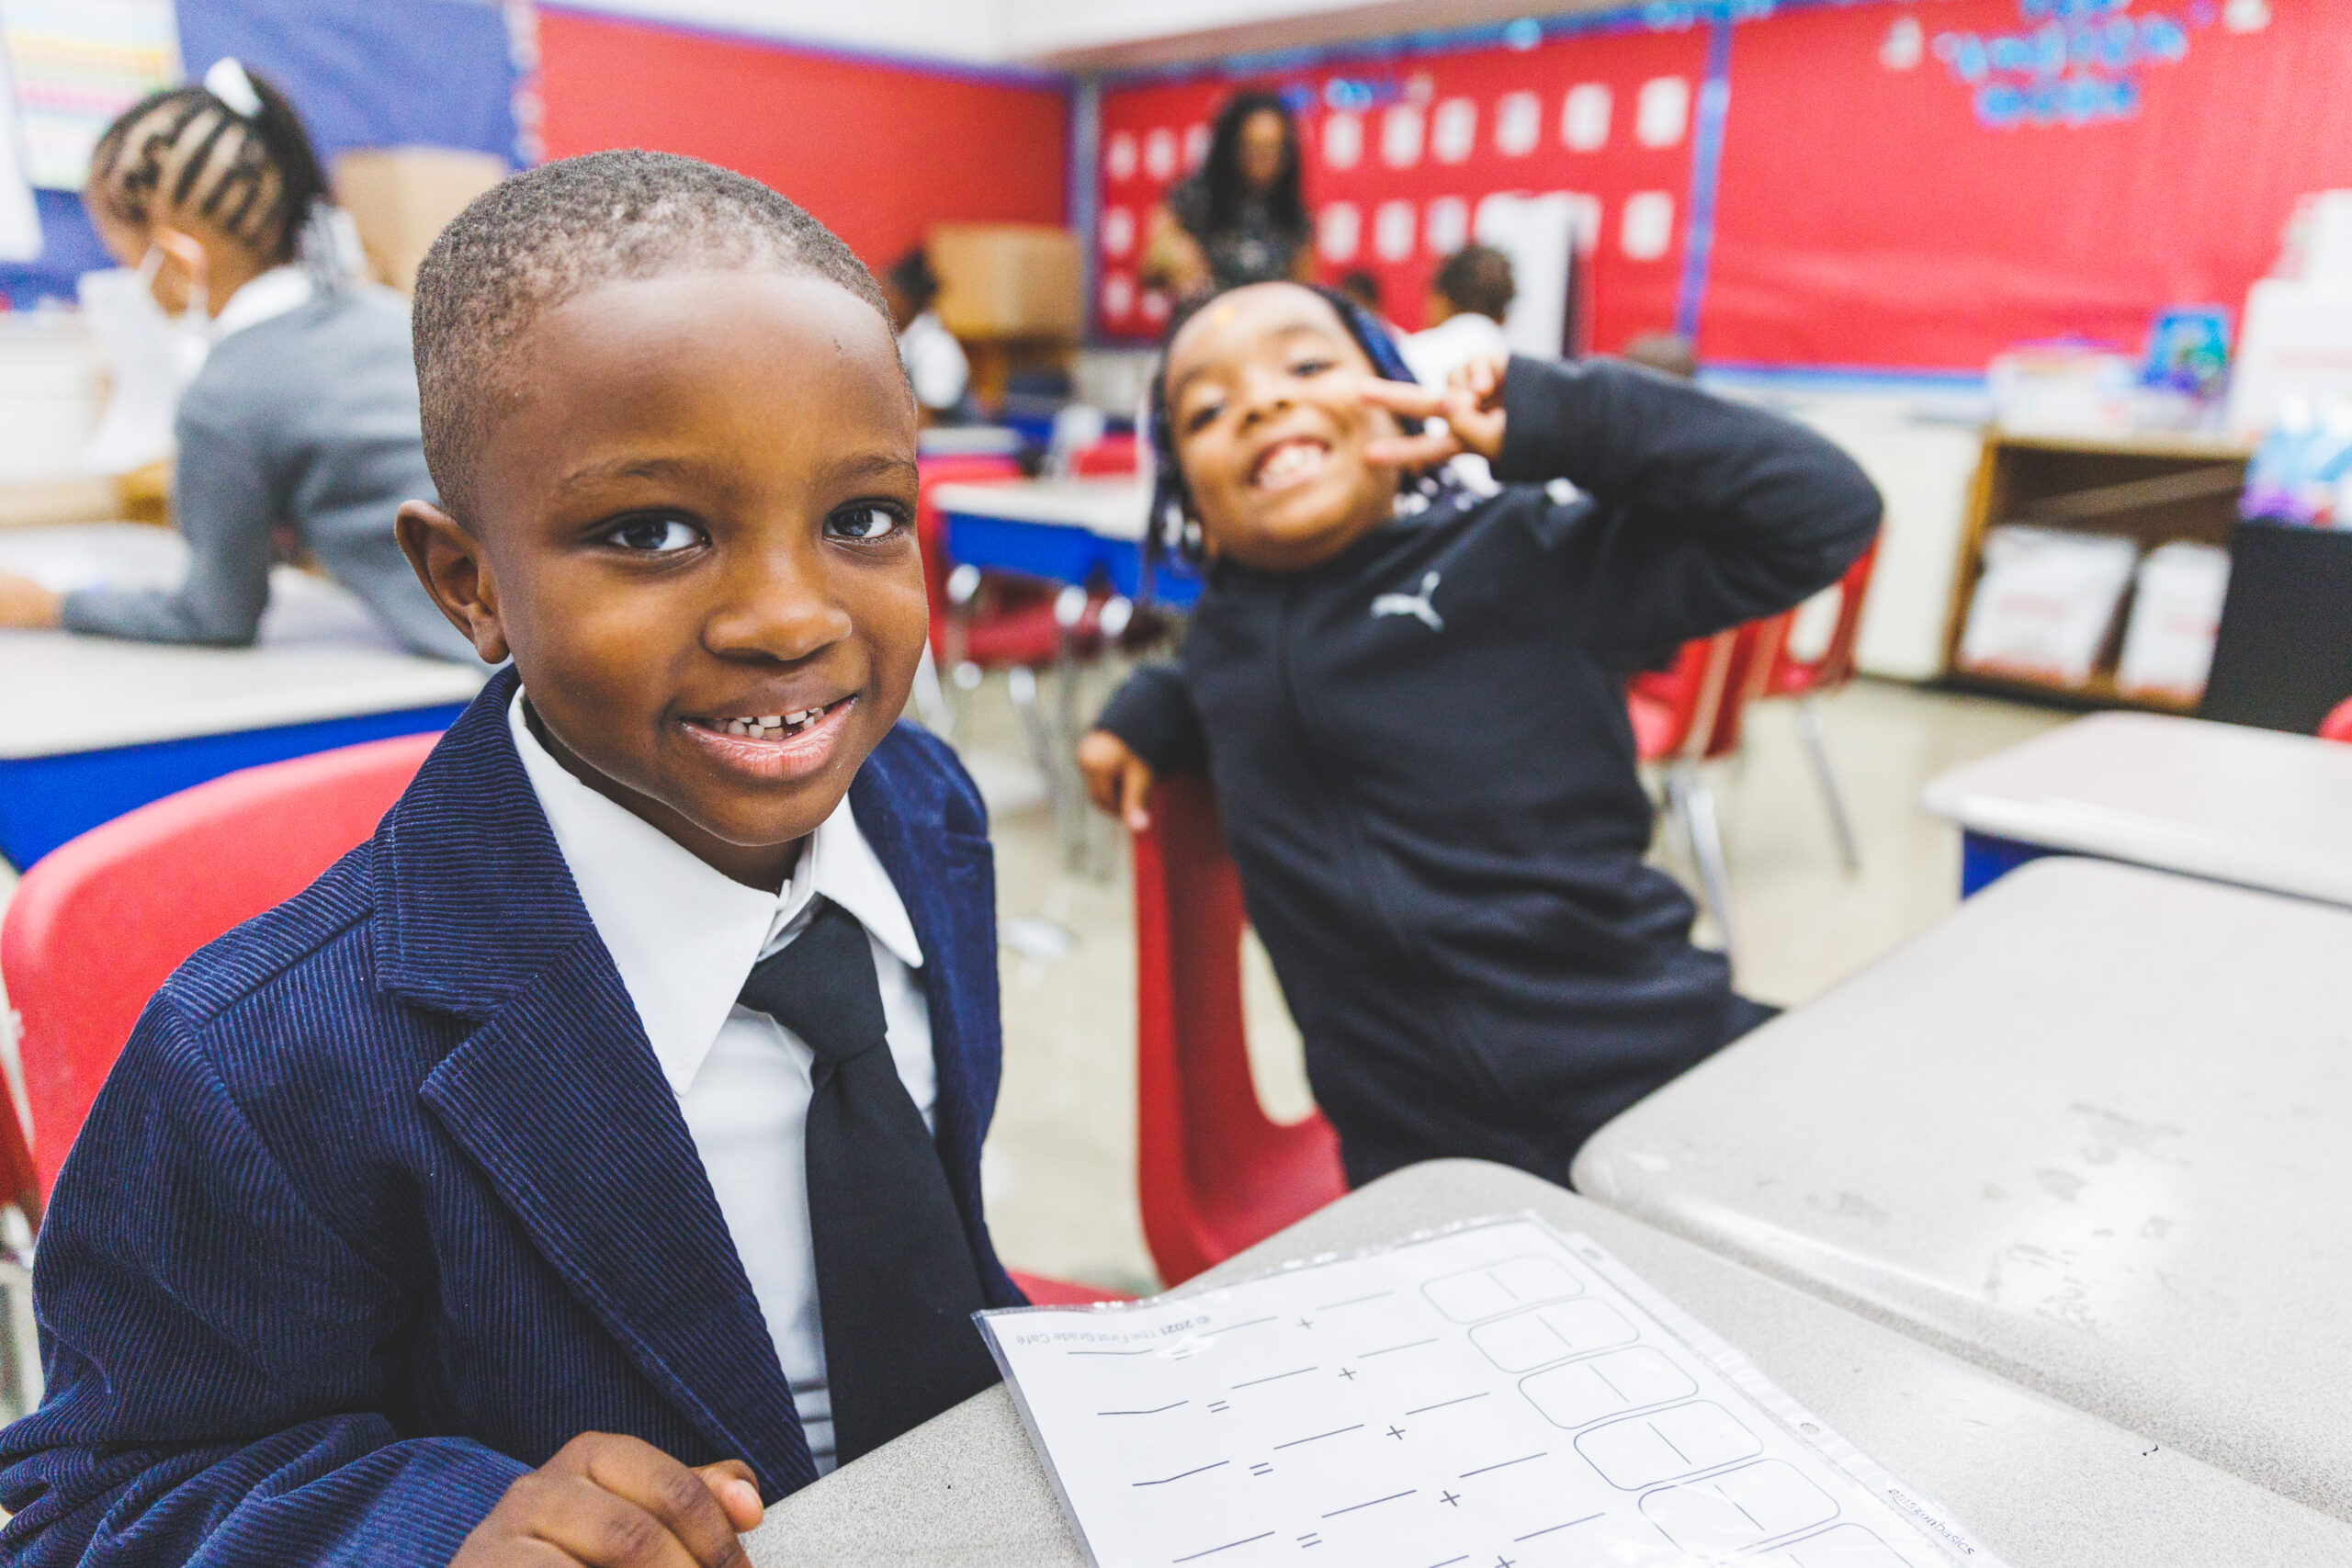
[386, 1198]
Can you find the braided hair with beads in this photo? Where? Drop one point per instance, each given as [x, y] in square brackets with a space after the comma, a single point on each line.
[235, 160]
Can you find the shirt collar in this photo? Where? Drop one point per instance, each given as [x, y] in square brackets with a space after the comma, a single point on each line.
[264, 298]
[683, 935]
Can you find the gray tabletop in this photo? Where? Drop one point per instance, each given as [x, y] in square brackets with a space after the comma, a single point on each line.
[2091, 1133]
[2216, 800]
[2038, 1482]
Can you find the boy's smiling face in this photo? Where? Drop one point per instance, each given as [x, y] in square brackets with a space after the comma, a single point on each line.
[1264, 398]
[699, 517]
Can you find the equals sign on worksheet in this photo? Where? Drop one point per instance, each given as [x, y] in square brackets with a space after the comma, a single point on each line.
[1261, 1469]
[1309, 1539]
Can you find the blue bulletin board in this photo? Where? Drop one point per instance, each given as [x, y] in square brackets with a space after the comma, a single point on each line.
[362, 72]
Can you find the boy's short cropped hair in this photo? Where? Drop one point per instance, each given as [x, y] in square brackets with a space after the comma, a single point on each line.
[1477, 279]
[548, 234]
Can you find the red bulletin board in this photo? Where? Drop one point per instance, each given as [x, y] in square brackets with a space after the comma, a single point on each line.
[878, 151]
[1921, 186]
[1430, 137]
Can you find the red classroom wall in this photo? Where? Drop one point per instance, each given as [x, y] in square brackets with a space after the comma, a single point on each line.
[1511, 102]
[878, 151]
[1878, 208]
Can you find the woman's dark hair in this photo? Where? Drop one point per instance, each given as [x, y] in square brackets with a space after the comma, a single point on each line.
[186, 154]
[1222, 170]
[1477, 278]
[1171, 531]
[915, 279]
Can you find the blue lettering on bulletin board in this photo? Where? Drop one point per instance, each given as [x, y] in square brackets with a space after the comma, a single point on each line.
[2072, 63]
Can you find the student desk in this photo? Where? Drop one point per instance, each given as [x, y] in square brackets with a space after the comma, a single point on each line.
[2213, 800]
[2094, 1132]
[2039, 1483]
[92, 726]
[1063, 530]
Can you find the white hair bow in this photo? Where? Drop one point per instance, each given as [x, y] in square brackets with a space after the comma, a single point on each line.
[227, 81]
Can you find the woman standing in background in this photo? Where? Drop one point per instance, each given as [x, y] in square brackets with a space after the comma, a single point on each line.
[1240, 218]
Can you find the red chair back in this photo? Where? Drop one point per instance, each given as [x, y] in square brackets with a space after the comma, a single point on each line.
[100, 922]
[1216, 1175]
[1112, 456]
[1834, 666]
[2338, 724]
[1691, 711]
[931, 528]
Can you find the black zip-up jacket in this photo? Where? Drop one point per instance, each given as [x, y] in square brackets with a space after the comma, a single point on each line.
[1422, 757]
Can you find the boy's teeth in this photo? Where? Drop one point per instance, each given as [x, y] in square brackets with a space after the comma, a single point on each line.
[767, 727]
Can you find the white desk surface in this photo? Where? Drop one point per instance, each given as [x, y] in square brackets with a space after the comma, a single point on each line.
[2221, 801]
[320, 655]
[1114, 508]
[2042, 1485]
[2093, 1131]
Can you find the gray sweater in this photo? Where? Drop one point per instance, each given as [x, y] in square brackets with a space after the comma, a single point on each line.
[308, 419]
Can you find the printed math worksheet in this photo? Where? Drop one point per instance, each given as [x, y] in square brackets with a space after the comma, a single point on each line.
[1499, 1395]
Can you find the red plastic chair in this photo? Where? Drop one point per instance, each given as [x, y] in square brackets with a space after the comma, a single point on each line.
[1691, 714]
[100, 922]
[1808, 680]
[2338, 724]
[1215, 1174]
[1107, 458]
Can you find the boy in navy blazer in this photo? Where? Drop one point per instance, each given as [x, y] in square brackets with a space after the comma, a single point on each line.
[593, 1154]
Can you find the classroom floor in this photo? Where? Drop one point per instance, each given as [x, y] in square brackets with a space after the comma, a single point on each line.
[1059, 1168]
[1060, 1162]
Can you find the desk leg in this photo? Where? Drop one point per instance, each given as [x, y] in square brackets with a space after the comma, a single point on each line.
[1984, 860]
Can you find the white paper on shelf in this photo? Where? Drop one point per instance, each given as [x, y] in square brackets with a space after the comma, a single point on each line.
[1494, 1392]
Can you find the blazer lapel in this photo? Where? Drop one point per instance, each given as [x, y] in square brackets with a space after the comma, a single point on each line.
[556, 1095]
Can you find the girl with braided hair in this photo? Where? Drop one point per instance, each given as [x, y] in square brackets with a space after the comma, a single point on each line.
[304, 413]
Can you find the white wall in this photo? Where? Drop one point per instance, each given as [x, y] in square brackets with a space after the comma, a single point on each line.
[962, 30]
[1080, 34]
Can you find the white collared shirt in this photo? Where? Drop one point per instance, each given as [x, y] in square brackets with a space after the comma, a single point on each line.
[263, 297]
[685, 938]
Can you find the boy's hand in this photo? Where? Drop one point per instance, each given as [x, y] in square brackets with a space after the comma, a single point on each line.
[613, 1502]
[1471, 404]
[26, 605]
[1116, 779]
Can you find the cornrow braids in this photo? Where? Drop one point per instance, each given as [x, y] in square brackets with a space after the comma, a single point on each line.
[183, 157]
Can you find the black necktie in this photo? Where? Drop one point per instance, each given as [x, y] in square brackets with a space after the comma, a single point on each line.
[895, 1282]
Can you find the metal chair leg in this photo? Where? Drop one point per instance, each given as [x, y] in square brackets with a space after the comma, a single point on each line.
[1693, 802]
[1816, 747]
[23, 1388]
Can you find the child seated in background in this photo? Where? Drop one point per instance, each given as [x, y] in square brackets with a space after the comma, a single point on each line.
[304, 413]
[616, 1108]
[1468, 299]
[1411, 702]
[935, 362]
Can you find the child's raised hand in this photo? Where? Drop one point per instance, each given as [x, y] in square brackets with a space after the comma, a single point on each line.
[1116, 779]
[605, 1501]
[1471, 404]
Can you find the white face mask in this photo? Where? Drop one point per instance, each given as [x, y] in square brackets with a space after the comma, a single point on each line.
[150, 355]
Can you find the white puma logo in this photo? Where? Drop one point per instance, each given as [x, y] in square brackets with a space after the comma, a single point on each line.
[1414, 604]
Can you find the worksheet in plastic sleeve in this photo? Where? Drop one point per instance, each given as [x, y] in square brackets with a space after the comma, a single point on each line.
[1494, 1395]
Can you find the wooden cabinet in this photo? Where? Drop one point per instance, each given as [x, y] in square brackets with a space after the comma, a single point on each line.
[2151, 488]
